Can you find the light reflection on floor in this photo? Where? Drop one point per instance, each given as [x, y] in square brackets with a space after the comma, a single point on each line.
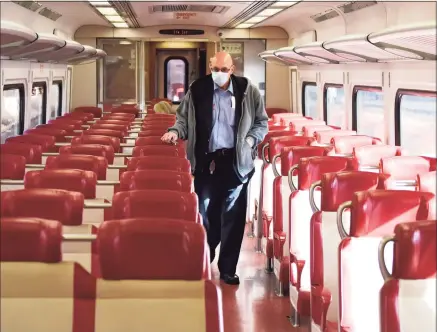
[253, 306]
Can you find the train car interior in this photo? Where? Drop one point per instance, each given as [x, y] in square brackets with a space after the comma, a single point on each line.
[100, 223]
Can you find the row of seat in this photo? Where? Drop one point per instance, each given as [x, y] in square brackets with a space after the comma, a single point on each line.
[126, 267]
[321, 201]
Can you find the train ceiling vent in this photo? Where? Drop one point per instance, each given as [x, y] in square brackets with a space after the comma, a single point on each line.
[30, 5]
[188, 8]
[346, 8]
[416, 41]
[254, 8]
[125, 10]
[50, 14]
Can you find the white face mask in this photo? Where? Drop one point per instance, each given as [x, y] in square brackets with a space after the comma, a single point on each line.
[220, 78]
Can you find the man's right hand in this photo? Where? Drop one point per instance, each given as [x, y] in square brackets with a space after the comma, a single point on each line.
[170, 137]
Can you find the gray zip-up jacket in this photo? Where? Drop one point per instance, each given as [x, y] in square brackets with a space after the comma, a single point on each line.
[253, 123]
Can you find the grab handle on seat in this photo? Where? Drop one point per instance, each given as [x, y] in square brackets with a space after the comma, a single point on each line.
[79, 237]
[340, 227]
[381, 260]
[312, 201]
[275, 170]
[263, 154]
[290, 177]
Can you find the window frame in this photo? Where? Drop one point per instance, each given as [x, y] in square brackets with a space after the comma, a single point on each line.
[20, 88]
[304, 85]
[325, 99]
[60, 97]
[355, 91]
[398, 99]
[167, 60]
[42, 84]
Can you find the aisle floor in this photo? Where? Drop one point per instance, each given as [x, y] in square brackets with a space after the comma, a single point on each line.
[253, 306]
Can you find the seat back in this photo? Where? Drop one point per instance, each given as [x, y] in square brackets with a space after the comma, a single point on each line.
[68, 127]
[119, 127]
[98, 139]
[408, 297]
[64, 206]
[156, 179]
[151, 140]
[79, 115]
[81, 181]
[105, 132]
[346, 144]
[298, 124]
[155, 204]
[12, 166]
[106, 151]
[46, 142]
[168, 249]
[325, 136]
[272, 110]
[369, 156]
[159, 150]
[125, 109]
[95, 164]
[32, 152]
[59, 134]
[427, 182]
[124, 122]
[310, 129]
[374, 214]
[77, 123]
[95, 111]
[159, 162]
[152, 132]
[119, 116]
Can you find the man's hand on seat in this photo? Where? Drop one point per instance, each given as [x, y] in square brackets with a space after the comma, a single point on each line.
[170, 137]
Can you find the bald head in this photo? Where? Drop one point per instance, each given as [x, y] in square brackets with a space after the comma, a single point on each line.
[222, 67]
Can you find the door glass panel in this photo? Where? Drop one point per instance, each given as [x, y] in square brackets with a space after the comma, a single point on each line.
[10, 114]
[176, 78]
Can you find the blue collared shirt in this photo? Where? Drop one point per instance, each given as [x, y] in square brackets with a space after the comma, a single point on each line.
[223, 119]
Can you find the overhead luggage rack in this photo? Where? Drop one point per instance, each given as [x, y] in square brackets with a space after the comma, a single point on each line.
[289, 54]
[410, 41]
[317, 53]
[269, 57]
[357, 48]
[71, 48]
[14, 36]
[100, 54]
[43, 44]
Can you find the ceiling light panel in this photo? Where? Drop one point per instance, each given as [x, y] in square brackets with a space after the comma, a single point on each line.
[256, 19]
[283, 4]
[244, 26]
[107, 11]
[120, 25]
[114, 18]
[100, 3]
[269, 12]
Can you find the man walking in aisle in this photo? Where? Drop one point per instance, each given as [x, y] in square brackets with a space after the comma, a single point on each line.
[223, 119]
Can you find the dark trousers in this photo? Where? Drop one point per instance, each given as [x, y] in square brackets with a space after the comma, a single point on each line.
[222, 204]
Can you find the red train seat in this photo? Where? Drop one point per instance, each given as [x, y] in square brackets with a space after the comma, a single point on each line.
[368, 157]
[32, 152]
[427, 182]
[106, 132]
[95, 111]
[408, 296]
[151, 140]
[156, 179]
[68, 127]
[111, 126]
[346, 144]
[46, 142]
[375, 214]
[152, 132]
[106, 151]
[98, 139]
[159, 163]
[77, 123]
[159, 150]
[325, 136]
[96, 164]
[59, 134]
[336, 188]
[79, 115]
[309, 171]
[310, 129]
[297, 124]
[155, 204]
[272, 110]
[12, 167]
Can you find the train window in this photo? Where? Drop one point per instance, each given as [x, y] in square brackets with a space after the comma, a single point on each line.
[415, 120]
[12, 114]
[309, 99]
[176, 78]
[334, 105]
[368, 111]
[56, 100]
[38, 101]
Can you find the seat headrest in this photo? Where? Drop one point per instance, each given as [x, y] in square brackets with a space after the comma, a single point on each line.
[325, 136]
[156, 179]
[276, 144]
[377, 212]
[311, 169]
[404, 167]
[112, 126]
[77, 123]
[84, 182]
[55, 204]
[160, 150]
[310, 129]
[346, 144]
[32, 152]
[58, 133]
[79, 115]
[155, 204]
[427, 182]
[371, 155]
[69, 127]
[145, 132]
[97, 139]
[338, 188]
[151, 140]
[106, 151]
[47, 142]
[415, 250]
[105, 132]
[95, 111]
[30, 240]
[292, 154]
[12, 166]
[298, 124]
[148, 248]
[95, 164]
[159, 162]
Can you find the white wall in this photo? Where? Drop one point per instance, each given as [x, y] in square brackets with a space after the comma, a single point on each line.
[254, 67]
